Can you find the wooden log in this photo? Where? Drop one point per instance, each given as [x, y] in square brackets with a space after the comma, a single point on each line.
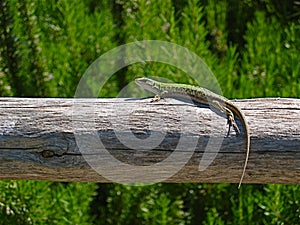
[37, 141]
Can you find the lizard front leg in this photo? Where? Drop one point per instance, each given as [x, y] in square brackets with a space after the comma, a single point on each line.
[159, 96]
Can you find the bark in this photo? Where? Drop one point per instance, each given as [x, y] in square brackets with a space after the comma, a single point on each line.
[133, 140]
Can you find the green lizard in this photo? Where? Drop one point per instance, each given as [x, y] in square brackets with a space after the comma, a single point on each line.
[203, 96]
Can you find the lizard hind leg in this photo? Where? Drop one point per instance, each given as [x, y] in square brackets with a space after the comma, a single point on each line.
[231, 123]
[230, 116]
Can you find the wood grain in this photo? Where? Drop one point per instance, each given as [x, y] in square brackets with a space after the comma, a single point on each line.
[37, 140]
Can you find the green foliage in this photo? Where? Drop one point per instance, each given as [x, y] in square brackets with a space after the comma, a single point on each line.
[153, 205]
[77, 38]
[9, 60]
[36, 202]
[251, 47]
[47, 46]
[192, 35]
[199, 204]
[269, 64]
[147, 20]
[271, 204]
[27, 75]
[50, 45]
[39, 202]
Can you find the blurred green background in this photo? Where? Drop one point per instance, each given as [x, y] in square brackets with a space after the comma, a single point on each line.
[252, 47]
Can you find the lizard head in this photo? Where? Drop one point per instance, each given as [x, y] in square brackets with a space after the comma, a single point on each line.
[148, 84]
